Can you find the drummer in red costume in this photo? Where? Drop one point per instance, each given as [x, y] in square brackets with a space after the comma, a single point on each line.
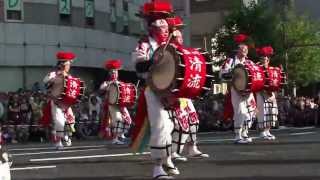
[266, 100]
[244, 105]
[120, 117]
[185, 111]
[61, 115]
[161, 125]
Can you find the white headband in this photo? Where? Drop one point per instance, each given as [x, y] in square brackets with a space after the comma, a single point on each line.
[160, 23]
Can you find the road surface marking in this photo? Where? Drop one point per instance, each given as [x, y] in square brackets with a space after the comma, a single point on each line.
[302, 133]
[88, 157]
[55, 152]
[44, 148]
[32, 168]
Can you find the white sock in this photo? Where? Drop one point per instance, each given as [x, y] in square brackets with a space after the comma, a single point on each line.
[158, 170]
[169, 162]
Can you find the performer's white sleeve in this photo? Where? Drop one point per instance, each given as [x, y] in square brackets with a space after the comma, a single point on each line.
[49, 77]
[141, 53]
[104, 86]
[226, 68]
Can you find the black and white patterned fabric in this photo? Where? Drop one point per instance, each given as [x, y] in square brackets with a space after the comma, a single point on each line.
[267, 111]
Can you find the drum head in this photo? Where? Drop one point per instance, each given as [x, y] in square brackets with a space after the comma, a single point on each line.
[113, 93]
[240, 78]
[163, 73]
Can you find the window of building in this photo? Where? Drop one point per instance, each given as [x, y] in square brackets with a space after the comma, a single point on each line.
[65, 11]
[113, 18]
[89, 12]
[113, 26]
[125, 5]
[125, 29]
[13, 10]
[112, 3]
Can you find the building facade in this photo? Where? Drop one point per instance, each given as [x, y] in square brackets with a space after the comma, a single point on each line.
[32, 31]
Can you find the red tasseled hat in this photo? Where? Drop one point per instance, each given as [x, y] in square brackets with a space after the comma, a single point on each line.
[240, 38]
[65, 56]
[156, 9]
[113, 64]
[175, 22]
[265, 51]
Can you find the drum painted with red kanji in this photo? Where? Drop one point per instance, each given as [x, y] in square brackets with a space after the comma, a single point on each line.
[275, 78]
[122, 94]
[179, 71]
[248, 78]
[67, 91]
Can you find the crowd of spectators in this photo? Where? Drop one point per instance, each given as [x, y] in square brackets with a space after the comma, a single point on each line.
[21, 111]
[293, 111]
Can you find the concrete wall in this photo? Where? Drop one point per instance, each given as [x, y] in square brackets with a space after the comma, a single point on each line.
[206, 17]
[10, 78]
[36, 45]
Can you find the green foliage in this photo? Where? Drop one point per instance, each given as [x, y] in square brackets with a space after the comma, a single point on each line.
[298, 36]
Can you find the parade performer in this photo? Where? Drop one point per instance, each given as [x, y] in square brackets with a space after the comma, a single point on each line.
[184, 132]
[119, 115]
[244, 105]
[151, 114]
[56, 112]
[4, 160]
[266, 100]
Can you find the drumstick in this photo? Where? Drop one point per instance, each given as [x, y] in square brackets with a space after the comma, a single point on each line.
[167, 43]
[137, 85]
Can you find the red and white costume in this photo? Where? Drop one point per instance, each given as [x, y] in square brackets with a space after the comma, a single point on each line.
[266, 101]
[186, 121]
[56, 113]
[161, 125]
[185, 131]
[244, 105]
[120, 117]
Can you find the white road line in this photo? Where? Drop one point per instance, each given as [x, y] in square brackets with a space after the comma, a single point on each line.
[223, 140]
[255, 137]
[87, 157]
[302, 133]
[215, 140]
[32, 168]
[47, 148]
[303, 128]
[280, 129]
[55, 152]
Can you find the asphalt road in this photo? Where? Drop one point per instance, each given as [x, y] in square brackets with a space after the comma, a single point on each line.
[295, 155]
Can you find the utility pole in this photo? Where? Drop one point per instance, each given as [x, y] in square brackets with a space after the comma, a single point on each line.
[286, 6]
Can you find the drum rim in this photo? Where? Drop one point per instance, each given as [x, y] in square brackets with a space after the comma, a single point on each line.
[173, 50]
[282, 78]
[117, 84]
[246, 75]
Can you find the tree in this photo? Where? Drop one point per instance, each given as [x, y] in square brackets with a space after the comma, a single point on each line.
[296, 36]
